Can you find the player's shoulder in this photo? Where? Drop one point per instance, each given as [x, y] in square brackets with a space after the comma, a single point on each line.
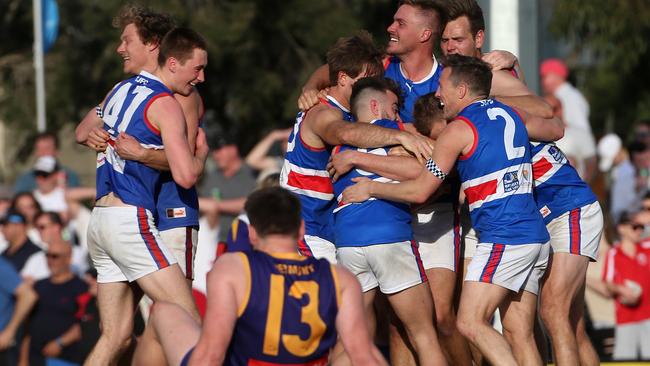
[230, 265]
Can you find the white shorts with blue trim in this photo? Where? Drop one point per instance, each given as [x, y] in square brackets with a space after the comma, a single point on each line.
[515, 267]
[124, 244]
[317, 247]
[436, 228]
[393, 267]
[182, 242]
[578, 231]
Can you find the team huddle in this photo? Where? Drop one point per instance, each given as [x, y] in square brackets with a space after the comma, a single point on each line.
[417, 197]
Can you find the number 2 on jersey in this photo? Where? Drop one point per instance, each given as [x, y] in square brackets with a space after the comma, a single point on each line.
[309, 315]
[512, 152]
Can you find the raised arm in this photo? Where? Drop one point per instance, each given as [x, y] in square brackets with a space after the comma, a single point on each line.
[226, 288]
[456, 138]
[186, 165]
[351, 322]
[258, 157]
[318, 81]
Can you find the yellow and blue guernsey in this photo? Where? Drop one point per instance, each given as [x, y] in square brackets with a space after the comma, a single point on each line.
[125, 110]
[289, 314]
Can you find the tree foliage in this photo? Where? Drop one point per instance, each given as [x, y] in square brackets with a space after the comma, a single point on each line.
[614, 35]
[260, 54]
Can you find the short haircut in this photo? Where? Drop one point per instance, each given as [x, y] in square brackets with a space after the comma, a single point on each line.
[151, 26]
[626, 218]
[475, 73]
[426, 111]
[274, 210]
[352, 54]
[469, 9]
[365, 86]
[434, 10]
[46, 136]
[180, 43]
[54, 217]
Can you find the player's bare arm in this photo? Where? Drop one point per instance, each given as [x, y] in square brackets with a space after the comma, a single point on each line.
[501, 60]
[186, 165]
[351, 322]
[513, 92]
[396, 167]
[128, 148]
[455, 139]
[90, 132]
[542, 129]
[318, 81]
[226, 292]
[335, 131]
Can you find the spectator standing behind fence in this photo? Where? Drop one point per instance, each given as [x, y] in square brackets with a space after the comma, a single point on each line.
[615, 162]
[16, 300]
[223, 190]
[45, 144]
[578, 140]
[54, 330]
[627, 279]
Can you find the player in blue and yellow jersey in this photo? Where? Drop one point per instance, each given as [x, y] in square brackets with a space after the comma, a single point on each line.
[123, 241]
[270, 306]
[491, 144]
[323, 126]
[374, 239]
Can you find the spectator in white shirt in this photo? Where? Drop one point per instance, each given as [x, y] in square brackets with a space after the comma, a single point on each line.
[615, 160]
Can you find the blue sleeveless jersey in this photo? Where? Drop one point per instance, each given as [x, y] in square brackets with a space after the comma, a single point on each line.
[497, 176]
[558, 187]
[305, 173]
[290, 314]
[177, 206]
[125, 110]
[375, 221]
[411, 90]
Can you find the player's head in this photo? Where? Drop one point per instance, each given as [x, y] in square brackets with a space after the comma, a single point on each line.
[274, 211]
[375, 97]
[463, 80]
[417, 23]
[352, 58]
[464, 32]
[142, 32]
[629, 228]
[428, 118]
[183, 56]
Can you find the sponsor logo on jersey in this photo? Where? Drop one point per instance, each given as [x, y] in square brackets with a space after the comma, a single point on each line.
[556, 153]
[510, 182]
[545, 211]
[173, 213]
[141, 80]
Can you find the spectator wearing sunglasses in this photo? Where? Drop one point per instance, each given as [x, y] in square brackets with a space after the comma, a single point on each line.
[627, 279]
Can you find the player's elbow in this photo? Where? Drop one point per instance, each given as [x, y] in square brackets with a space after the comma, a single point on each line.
[80, 135]
[419, 197]
[185, 179]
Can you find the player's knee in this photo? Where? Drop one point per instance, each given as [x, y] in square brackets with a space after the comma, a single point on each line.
[446, 322]
[467, 326]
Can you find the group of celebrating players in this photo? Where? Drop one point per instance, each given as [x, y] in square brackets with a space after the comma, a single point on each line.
[386, 146]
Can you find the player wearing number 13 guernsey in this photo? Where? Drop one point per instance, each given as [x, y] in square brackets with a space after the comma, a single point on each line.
[270, 306]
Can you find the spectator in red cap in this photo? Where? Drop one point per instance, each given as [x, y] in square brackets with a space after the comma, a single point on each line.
[578, 141]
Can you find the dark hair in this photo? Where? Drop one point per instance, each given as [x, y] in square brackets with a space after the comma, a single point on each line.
[469, 9]
[378, 84]
[274, 210]
[352, 54]
[636, 147]
[426, 111]
[475, 73]
[54, 217]
[180, 43]
[625, 218]
[434, 10]
[47, 135]
[25, 194]
[151, 26]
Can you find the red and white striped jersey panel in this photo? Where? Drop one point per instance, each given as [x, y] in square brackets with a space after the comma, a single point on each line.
[491, 187]
[545, 165]
[308, 182]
